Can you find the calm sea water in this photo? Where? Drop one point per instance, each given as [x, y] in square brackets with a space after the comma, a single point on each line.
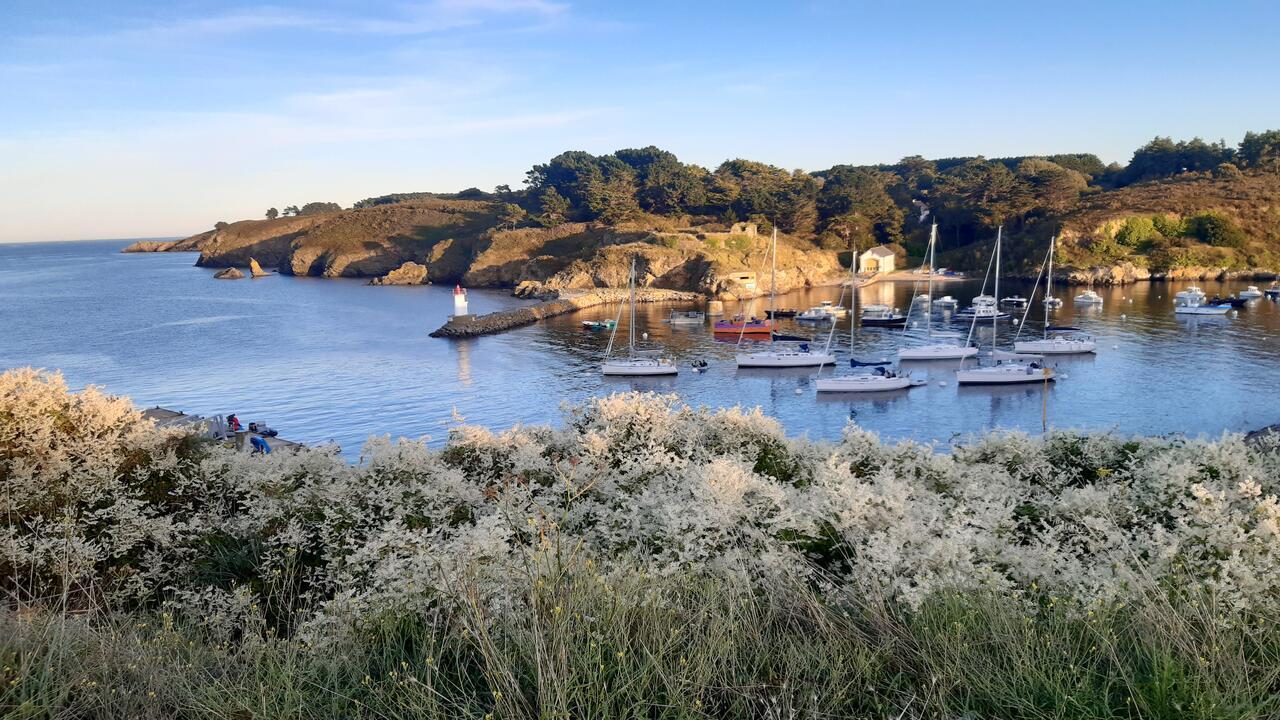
[339, 360]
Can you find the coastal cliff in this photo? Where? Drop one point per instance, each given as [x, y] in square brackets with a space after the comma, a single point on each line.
[464, 241]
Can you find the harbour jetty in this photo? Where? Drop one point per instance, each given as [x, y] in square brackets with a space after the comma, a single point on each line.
[566, 301]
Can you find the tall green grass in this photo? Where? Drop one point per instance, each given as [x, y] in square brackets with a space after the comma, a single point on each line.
[585, 646]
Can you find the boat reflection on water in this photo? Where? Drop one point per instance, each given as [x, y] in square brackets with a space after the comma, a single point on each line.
[1006, 393]
[802, 373]
[640, 383]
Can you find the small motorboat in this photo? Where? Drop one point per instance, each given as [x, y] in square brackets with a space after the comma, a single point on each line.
[983, 308]
[1235, 302]
[834, 309]
[1195, 308]
[1251, 293]
[1088, 297]
[1191, 295]
[1014, 300]
[882, 316]
[599, 324]
[816, 314]
[781, 313]
[741, 324]
[691, 317]
[1052, 302]
[1273, 292]
[946, 301]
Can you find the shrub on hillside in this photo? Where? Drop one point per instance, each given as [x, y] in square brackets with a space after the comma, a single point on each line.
[1216, 229]
[1137, 231]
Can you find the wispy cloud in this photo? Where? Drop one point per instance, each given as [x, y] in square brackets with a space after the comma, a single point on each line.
[418, 18]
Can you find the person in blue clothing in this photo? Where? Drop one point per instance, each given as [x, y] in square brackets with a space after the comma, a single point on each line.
[259, 446]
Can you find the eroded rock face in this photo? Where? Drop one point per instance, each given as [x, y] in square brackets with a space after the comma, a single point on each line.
[228, 274]
[256, 270]
[410, 273]
[1121, 274]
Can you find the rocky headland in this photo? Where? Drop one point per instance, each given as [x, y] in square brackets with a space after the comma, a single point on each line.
[435, 240]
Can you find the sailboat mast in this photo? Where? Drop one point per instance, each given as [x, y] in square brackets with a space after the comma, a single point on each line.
[995, 316]
[853, 298]
[1048, 286]
[933, 250]
[773, 278]
[632, 323]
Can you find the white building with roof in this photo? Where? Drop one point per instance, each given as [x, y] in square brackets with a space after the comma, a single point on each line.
[879, 259]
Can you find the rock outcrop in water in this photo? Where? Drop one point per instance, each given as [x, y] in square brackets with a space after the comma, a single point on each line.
[410, 273]
[256, 270]
[228, 274]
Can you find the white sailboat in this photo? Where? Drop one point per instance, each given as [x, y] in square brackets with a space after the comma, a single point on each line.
[637, 362]
[935, 349]
[879, 380]
[789, 354]
[1056, 340]
[1017, 369]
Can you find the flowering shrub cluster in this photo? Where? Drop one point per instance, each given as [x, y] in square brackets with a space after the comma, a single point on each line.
[97, 505]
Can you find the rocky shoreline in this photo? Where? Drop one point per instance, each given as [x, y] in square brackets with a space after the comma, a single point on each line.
[465, 326]
[1128, 274]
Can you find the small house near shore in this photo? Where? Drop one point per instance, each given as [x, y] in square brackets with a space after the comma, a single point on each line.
[877, 260]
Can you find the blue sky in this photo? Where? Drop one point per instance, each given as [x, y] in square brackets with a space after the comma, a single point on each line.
[130, 119]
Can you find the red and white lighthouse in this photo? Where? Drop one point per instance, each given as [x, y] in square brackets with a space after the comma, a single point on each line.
[459, 300]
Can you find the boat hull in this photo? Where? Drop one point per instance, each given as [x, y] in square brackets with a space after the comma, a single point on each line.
[865, 383]
[1055, 347]
[1004, 375]
[1202, 310]
[878, 322]
[784, 360]
[627, 368]
[937, 352]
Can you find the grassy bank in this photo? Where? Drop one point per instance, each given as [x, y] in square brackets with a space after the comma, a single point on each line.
[647, 559]
[661, 648]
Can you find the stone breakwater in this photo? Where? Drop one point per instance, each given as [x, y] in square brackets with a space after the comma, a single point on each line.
[465, 326]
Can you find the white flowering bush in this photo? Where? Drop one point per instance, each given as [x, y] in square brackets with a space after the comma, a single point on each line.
[97, 501]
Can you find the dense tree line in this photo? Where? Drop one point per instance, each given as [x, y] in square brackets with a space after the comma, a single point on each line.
[850, 206]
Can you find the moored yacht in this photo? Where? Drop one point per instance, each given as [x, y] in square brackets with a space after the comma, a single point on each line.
[1250, 292]
[786, 355]
[882, 316]
[1056, 340]
[1088, 297]
[878, 380]
[637, 362]
[952, 348]
[983, 308]
[1021, 369]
